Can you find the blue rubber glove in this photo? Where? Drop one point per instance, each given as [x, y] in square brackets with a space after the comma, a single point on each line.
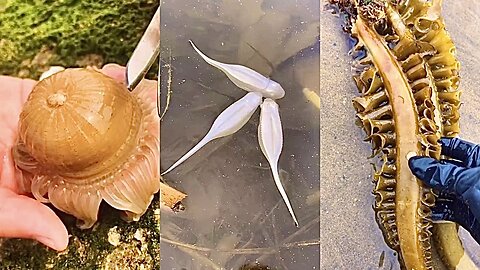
[457, 180]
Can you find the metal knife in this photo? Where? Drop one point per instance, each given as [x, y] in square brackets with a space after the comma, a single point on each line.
[145, 54]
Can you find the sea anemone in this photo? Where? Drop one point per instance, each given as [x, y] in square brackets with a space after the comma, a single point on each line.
[84, 138]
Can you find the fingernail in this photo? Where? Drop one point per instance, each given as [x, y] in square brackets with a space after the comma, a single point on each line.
[47, 241]
[111, 65]
[410, 155]
[52, 243]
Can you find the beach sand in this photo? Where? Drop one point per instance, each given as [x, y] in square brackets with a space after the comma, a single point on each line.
[350, 237]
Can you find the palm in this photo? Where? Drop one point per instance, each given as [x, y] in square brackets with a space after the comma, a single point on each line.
[13, 93]
[20, 215]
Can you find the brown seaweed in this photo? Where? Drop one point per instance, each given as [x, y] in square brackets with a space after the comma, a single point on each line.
[407, 75]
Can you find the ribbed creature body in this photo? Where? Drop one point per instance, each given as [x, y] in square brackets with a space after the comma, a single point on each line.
[407, 76]
[84, 138]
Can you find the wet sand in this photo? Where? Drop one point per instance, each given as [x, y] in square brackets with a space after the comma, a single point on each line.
[350, 237]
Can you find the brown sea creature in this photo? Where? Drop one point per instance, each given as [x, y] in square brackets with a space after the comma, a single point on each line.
[84, 138]
[407, 75]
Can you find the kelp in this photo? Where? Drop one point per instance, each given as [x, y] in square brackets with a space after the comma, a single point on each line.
[407, 75]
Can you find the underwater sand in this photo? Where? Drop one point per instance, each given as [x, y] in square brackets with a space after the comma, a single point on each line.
[234, 214]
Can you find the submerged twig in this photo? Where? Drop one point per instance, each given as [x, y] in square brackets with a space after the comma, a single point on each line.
[237, 251]
[302, 229]
[263, 57]
[194, 254]
[170, 197]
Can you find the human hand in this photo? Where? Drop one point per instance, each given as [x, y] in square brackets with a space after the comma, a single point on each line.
[457, 180]
[22, 216]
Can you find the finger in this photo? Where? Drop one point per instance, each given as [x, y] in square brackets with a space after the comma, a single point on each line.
[435, 173]
[471, 197]
[23, 217]
[115, 71]
[12, 84]
[146, 89]
[26, 87]
[14, 93]
[8, 174]
[464, 151]
[454, 162]
[455, 210]
[444, 209]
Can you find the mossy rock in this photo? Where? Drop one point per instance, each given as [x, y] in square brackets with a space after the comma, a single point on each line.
[110, 244]
[37, 34]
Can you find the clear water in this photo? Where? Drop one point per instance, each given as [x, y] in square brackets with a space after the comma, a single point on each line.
[234, 214]
[350, 237]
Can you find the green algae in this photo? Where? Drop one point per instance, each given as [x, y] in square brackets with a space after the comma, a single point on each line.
[91, 249]
[69, 30]
[37, 34]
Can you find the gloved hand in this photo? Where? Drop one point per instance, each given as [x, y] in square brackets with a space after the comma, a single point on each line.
[457, 180]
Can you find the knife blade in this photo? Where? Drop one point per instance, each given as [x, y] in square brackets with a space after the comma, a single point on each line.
[144, 55]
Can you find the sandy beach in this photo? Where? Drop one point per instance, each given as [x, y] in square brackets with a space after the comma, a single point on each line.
[350, 237]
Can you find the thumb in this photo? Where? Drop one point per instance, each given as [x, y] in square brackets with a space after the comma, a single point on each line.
[436, 174]
[24, 217]
[115, 71]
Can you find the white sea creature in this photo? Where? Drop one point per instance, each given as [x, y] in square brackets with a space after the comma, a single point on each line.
[233, 118]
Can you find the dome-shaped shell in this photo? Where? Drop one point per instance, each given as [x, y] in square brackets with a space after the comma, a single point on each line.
[78, 122]
[84, 137]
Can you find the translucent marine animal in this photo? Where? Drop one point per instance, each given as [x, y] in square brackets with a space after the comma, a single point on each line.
[84, 138]
[262, 92]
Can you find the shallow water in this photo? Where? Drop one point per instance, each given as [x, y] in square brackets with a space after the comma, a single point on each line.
[234, 214]
[350, 237]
